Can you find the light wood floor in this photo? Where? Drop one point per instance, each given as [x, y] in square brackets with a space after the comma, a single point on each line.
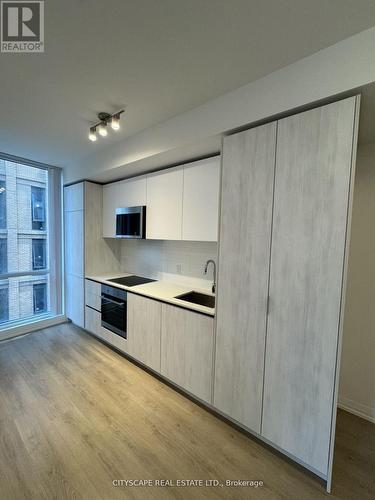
[75, 415]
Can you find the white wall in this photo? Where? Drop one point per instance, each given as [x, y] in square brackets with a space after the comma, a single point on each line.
[357, 376]
[159, 259]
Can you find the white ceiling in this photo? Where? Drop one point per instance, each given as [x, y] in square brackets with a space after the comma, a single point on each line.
[158, 58]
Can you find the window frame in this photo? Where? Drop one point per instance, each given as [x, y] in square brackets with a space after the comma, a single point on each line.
[53, 228]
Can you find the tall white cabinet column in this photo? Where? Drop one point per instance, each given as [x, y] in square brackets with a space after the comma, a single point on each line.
[244, 248]
[86, 251]
[284, 232]
[74, 215]
[313, 176]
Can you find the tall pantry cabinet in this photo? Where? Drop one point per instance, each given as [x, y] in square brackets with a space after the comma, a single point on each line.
[285, 218]
[74, 216]
[245, 238]
[86, 251]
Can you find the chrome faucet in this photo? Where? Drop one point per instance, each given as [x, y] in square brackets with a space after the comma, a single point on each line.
[205, 272]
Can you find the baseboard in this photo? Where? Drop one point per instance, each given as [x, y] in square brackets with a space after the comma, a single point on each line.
[17, 331]
[357, 409]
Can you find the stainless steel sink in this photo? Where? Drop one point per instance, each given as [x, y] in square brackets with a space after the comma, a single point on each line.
[202, 299]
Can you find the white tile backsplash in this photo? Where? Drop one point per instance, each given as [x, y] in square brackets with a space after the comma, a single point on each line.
[179, 261]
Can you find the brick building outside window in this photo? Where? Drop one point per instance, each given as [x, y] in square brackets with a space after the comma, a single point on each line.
[23, 241]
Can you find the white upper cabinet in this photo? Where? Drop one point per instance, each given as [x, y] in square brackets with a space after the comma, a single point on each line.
[182, 202]
[164, 205]
[128, 193]
[201, 200]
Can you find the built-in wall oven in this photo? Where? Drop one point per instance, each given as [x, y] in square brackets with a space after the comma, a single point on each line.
[114, 309]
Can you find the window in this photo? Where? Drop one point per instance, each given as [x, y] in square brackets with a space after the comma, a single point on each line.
[38, 208]
[40, 298]
[30, 244]
[4, 304]
[3, 206]
[39, 253]
[3, 256]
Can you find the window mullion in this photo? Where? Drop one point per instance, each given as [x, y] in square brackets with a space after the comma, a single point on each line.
[41, 272]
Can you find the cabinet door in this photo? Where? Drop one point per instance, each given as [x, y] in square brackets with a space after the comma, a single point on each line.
[110, 201]
[74, 197]
[74, 252]
[244, 248]
[144, 330]
[74, 303]
[128, 193]
[187, 350]
[164, 205]
[312, 182]
[132, 192]
[74, 242]
[201, 200]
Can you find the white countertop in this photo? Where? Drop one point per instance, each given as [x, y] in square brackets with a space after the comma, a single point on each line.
[163, 290]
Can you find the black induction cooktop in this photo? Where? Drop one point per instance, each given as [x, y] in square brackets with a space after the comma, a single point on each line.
[131, 280]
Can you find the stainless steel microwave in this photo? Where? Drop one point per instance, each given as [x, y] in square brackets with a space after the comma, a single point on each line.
[131, 222]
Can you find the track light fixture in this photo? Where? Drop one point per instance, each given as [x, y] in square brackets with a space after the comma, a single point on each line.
[101, 126]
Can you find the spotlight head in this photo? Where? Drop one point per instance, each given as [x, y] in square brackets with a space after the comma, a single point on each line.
[92, 134]
[102, 129]
[115, 122]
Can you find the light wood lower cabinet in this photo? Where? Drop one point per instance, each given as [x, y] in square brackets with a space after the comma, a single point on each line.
[175, 342]
[74, 302]
[93, 294]
[93, 321]
[144, 330]
[187, 350]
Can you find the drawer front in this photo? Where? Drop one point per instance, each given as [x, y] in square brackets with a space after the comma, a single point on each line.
[93, 287]
[93, 321]
[93, 301]
[92, 294]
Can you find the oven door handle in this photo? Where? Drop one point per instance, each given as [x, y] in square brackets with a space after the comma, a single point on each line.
[112, 301]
